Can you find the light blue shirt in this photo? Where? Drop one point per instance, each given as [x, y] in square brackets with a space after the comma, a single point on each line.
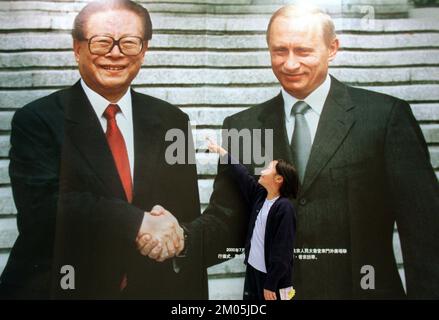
[256, 256]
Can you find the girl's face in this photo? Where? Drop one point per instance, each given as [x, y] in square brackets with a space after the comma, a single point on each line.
[269, 177]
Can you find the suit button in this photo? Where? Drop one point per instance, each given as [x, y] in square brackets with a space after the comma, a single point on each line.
[302, 201]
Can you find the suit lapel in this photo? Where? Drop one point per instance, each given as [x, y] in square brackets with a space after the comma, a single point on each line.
[86, 134]
[334, 124]
[273, 117]
[148, 143]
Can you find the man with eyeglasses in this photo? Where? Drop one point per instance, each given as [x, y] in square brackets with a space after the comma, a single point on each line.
[87, 167]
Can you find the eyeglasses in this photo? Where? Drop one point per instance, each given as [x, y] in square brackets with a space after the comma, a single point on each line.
[101, 45]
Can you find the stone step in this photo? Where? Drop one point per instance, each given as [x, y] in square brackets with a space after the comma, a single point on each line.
[221, 77]
[426, 111]
[352, 8]
[205, 187]
[226, 288]
[5, 120]
[63, 41]
[8, 232]
[44, 21]
[7, 206]
[4, 173]
[192, 65]
[203, 116]
[235, 265]
[4, 151]
[3, 259]
[218, 96]
[214, 77]
[254, 95]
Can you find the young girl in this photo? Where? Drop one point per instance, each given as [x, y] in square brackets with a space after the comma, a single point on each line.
[269, 242]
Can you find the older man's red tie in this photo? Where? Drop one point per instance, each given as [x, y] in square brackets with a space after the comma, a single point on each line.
[119, 150]
[120, 155]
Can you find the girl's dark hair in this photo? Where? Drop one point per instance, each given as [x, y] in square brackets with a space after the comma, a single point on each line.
[81, 19]
[290, 185]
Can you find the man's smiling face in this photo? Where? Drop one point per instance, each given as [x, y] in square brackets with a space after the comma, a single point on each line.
[299, 54]
[111, 74]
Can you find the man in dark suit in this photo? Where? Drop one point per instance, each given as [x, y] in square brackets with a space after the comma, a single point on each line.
[363, 163]
[87, 165]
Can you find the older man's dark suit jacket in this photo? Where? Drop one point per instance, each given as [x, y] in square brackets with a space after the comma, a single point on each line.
[369, 167]
[95, 226]
[36, 139]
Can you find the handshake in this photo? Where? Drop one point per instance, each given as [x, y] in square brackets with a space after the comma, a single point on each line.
[160, 236]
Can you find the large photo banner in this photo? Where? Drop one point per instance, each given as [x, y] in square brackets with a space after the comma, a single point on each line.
[219, 150]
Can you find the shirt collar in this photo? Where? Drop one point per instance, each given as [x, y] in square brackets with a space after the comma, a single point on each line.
[272, 200]
[316, 99]
[99, 103]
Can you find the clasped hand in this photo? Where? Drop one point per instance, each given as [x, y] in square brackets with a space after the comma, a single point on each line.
[160, 236]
